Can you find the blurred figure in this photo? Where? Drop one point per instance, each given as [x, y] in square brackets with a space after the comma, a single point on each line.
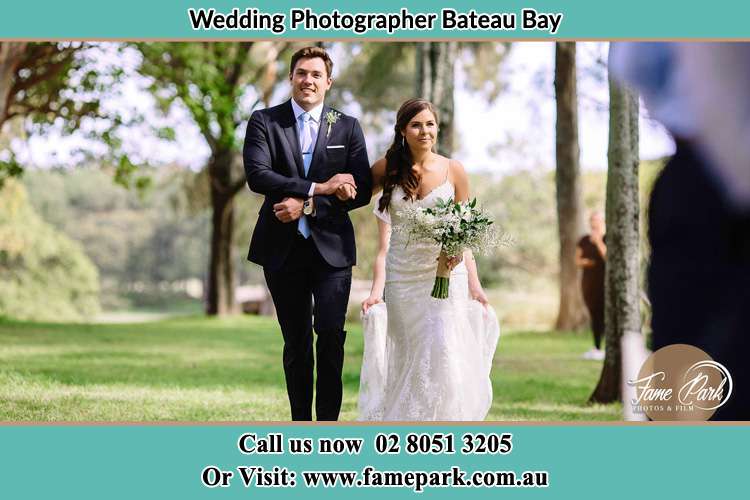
[699, 213]
[590, 256]
[701, 93]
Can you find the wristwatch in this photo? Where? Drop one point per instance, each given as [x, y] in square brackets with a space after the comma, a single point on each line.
[307, 207]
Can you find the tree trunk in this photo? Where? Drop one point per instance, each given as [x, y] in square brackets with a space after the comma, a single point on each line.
[435, 81]
[11, 55]
[572, 312]
[221, 279]
[621, 308]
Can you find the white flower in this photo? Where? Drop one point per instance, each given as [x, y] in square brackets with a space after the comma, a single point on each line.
[442, 225]
[331, 117]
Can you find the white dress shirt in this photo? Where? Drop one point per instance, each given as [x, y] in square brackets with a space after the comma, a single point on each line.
[315, 115]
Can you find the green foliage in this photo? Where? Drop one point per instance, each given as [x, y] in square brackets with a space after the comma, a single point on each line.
[44, 275]
[209, 79]
[377, 76]
[455, 226]
[9, 169]
[198, 369]
[212, 80]
[380, 76]
[42, 83]
[127, 175]
[366, 236]
[61, 86]
[482, 62]
[142, 242]
[137, 240]
[523, 205]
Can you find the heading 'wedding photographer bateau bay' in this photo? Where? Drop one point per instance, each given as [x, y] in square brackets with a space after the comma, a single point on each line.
[361, 23]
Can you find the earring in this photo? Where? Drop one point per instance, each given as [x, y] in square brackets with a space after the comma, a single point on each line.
[403, 141]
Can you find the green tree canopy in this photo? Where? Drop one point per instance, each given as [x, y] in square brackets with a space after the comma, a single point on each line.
[44, 275]
[211, 81]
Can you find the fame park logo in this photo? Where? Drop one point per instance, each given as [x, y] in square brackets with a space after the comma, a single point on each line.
[680, 382]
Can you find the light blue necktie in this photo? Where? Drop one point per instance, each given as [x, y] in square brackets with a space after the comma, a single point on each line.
[306, 145]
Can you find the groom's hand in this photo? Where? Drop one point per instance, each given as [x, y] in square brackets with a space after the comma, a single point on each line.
[289, 210]
[332, 185]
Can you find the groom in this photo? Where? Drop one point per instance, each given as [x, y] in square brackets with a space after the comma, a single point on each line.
[310, 163]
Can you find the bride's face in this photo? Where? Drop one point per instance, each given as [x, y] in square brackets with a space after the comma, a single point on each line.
[421, 131]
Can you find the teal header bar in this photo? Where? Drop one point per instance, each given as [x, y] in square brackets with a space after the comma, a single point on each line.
[126, 462]
[385, 19]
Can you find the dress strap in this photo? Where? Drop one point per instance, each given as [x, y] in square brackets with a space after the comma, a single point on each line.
[447, 171]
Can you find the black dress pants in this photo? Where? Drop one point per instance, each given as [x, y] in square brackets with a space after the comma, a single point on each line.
[305, 277]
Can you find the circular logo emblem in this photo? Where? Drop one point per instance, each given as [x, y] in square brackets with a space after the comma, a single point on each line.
[680, 382]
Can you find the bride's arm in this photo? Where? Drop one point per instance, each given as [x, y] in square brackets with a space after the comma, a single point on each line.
[384, 236]
[378, 268]
[476, 291]
[461, 181]
[378, 175]
[457, 175]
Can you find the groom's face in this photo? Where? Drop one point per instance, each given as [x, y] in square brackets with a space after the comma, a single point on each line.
[310, 81]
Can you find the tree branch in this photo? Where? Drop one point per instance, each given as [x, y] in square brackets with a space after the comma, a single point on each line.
[38, 77]
[239, 63]
[237, 187]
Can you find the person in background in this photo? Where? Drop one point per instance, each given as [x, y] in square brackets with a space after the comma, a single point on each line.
[590, 256]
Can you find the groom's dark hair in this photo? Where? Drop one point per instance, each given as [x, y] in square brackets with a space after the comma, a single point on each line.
[311, 53]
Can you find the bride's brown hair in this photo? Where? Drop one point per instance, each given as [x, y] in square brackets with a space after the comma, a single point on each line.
[398, 159]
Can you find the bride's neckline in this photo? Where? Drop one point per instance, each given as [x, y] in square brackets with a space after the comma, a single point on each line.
[446, 181]
[432, 191]
[446, 177]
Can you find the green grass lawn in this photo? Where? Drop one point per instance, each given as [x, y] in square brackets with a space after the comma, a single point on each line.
[200, 369]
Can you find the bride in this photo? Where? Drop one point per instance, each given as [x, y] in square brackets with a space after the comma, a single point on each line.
[425, 358]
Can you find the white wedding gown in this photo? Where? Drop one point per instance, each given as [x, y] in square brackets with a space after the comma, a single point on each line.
[425, 358]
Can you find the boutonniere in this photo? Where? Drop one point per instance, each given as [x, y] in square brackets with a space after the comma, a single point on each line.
[331, 117]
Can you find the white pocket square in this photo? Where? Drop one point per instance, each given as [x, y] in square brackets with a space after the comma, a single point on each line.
[334, 147]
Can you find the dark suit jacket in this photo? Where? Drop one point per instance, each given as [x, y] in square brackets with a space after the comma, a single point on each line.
[274, 168]
[699, 274]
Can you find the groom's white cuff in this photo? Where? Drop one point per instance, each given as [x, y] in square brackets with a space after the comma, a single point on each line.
[311, 191]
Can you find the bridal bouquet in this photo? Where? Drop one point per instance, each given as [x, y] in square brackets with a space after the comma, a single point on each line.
[455, 227]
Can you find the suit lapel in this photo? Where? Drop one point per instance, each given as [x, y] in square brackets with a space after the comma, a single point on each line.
[289, 124]
[319, 154]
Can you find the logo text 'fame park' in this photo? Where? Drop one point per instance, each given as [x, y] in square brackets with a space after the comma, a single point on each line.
[680, 382]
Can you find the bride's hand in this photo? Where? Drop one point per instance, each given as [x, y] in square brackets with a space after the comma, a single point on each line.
[479, 295]
[453, 261]
[369, 302]
[346, 192]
